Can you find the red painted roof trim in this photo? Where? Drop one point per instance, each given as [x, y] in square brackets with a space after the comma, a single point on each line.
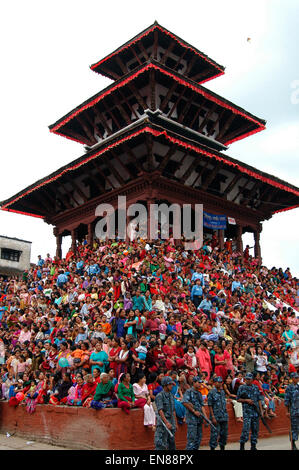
[156, 133]
[126, 46]
[286, 209]
[183, 82]
[23, 213]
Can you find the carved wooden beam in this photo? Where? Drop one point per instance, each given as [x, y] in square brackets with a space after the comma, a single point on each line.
[76, 187]
[113, 170]
[135, 54]
[168, 96]
[218, 120]
[86, 129]
[98, 116]
[124, 168]
[233, 182]
[167, 52]
[110, 72]
[200, 76]
[241, 189]
[155, 48]
[200, 172]
[104, 177]
[195, 117]
[189, 170]
[190, 65]
[133, 158]
[127, 101]
[180, 59]
[122, 65]
[186, 109]
[112, 116]
[237, 132]
[96, 181]
[72, 134]
[207, 117]
[142, 48]
[153, 90]
[150, 155]
[166, 158]
[211, 177]
[225, 127]
[176, 102]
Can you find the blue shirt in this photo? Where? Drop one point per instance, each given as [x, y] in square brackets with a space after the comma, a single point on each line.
[236, 285]
[196, 290]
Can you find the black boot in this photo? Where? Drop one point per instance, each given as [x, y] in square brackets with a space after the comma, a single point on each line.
[212, 448]
[294, 446]
[222, 447]
[253, 447]
[242, 446]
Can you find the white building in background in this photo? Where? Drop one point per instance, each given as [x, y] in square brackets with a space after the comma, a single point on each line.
[14, 255]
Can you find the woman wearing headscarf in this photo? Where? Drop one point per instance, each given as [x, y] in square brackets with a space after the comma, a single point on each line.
[104, 395]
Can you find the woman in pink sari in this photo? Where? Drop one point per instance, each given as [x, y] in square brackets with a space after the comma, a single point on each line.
[74, 397]
[293, 322]
[204, 359]
[229, 360]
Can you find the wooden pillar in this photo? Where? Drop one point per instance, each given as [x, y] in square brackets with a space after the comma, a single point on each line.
[149, 201]
[74, 238]
[239, 238]
[58, 243]
[257, 246]
[221, 238]
[90, 234]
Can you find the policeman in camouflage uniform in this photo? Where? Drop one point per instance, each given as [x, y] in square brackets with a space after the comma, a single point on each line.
[291, 401]
[193, 402]
[165, 425]
[250, 397]
[218, 415]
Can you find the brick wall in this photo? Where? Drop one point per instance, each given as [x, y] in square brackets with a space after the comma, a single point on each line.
[81, 428]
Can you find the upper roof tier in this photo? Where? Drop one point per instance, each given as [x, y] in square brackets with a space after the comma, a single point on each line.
[157, 43]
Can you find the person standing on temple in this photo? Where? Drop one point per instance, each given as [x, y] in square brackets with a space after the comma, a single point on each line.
[194, 404]
[218, 415]
[291, 401]
[165, 422]
[251, 399]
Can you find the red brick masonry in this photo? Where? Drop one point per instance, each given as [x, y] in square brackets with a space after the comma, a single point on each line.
[82, 428]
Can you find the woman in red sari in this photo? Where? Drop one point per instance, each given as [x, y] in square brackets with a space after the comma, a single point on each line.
[172, 359]
[113, 354]
[220, 363]
[88, 390]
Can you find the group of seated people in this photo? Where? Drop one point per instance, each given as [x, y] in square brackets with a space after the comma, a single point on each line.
[101, 327]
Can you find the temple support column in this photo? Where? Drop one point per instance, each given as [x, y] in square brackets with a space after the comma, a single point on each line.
[58, 243]
[239, 239]
[90, 234]
[221, 238]
[74, 238]
[149, 202]
[257, 246]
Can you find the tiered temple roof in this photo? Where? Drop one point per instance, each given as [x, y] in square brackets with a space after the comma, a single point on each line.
[156, 133]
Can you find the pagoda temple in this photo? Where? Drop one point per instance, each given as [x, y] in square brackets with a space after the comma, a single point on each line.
[156, 134]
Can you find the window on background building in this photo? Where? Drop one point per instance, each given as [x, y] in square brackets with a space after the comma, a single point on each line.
[10, 255]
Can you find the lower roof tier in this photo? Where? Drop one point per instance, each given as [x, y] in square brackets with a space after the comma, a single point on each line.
[163, 154]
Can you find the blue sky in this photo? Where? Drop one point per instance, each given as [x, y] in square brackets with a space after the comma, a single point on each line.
[48, 47]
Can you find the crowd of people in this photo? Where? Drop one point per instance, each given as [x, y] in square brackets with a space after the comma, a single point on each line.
[101, 327]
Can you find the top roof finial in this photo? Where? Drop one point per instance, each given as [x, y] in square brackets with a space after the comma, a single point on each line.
[156, 22]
